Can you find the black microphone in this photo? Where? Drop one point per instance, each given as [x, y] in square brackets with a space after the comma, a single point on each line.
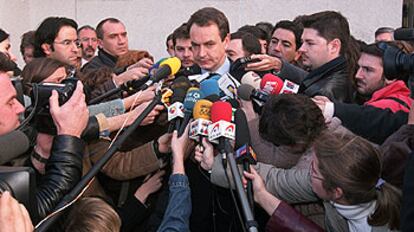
[247, 93]
[244, 153]
[12, 145]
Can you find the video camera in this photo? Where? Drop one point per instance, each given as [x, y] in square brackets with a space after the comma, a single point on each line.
[396, 62]
[20, 182]
[40, 110]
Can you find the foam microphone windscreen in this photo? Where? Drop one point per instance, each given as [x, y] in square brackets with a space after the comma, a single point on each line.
[202, 109]
[193, 95]
[181, 82]
[271, 84]
[221, 111]
[178, 95]
[242, 129]
[251, 78]
[213, 98]
[12, 145]
[245, 91]
[174, 63]
[209, 87]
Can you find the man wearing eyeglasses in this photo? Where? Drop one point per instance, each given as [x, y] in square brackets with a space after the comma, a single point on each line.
[89, 40]
[56, 38]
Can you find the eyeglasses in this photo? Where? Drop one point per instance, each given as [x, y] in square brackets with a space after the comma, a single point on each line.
[68, 42]
[313, 173]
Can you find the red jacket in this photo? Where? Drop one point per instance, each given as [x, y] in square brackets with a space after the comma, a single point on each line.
[398, 89]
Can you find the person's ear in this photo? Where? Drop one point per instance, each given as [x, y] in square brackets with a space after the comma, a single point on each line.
[47, 48]
[337, 194]
[335, 46]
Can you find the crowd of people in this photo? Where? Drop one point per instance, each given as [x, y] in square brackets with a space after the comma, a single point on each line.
[333, 153]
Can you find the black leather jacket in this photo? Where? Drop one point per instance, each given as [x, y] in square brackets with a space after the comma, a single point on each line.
[330, 80]
[62, 172]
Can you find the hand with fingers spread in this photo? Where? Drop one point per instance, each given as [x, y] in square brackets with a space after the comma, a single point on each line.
[151, 185]
[72, 117]
[13, 216]
[266, 63]
[205, 154]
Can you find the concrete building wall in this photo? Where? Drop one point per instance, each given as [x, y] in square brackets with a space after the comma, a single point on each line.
[148, 22]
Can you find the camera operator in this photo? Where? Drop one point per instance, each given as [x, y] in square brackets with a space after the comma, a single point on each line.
[64, 168]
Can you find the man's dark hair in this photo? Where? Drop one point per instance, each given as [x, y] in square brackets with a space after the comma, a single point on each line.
[86, 27]
[169, 37]
[48, 31]
[265, 26]
[207, 16]
[28, 39]
[332, 25]
[180, 33]
[250, 43]
[372, 49]
[290, 119]
[295, 28]
[3, 35]
[382, 30]
[256, 31]
[99, 29]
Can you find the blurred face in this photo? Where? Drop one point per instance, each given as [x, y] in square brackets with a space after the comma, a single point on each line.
[369, 77]
[28, 54]
[235, 49]
[5, 47]
[65, 46]
[115, 39]
[89, 42]
[10, 108]
[208, 48]
[170, 47]
[57, 77]
[184, 52]
[317, 180]
[317, 51]
[283, 45]
[384, 37]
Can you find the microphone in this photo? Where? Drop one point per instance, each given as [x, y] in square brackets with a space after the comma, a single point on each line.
[210, 87]
[251, 78]
[12, 145]
[221, 130]
[271, 84]
[244, 153]
[176, 109]
[248, 93]
[181, 82]
[274, 85]
[167, 68]
[201, 115]
[193, 95]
